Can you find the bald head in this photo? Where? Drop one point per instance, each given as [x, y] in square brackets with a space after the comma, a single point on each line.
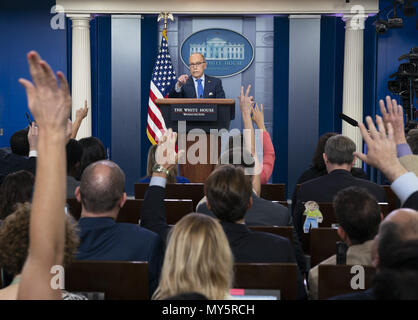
[102, 186]
[406, 222]
[398, 229]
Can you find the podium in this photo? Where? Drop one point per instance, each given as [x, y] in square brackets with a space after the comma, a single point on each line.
[197, 122]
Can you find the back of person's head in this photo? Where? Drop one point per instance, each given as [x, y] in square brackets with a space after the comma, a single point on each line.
[397, 277]
[93, 150]
[412, 139]
[19, 143]
[16, 188]
[318, 159]
[396, 229]
[237, 157]
[172, 175]
[228, 191]
[74, 153]
[339, 149]
[358, 213]
[14, 239]
[102, 186]
[197, 259]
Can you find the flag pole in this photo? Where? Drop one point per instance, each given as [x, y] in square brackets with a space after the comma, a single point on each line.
[165, 16]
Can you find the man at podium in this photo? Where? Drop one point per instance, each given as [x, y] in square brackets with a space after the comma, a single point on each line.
[198, 85]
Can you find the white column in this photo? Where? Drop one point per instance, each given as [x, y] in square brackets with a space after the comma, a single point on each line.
[353, 77]
[81, 78]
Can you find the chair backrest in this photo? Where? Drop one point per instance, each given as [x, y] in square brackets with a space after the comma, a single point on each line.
[267, 276]
[393, 201]
[118, 280]
[286, 232]
[273, 191]
[334, 280]
[131, 211]
[283, 203]
[322, 244]
[193, 191]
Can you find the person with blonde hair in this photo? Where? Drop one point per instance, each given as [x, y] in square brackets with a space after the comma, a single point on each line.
[198, 259]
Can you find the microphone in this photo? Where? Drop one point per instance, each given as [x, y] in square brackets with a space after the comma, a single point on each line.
[351, 121]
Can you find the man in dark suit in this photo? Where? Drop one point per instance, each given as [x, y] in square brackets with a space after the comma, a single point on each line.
[339, 160]
[22, 153]
[101, 193]
[229, 195]
[262, 212]
[198, 85]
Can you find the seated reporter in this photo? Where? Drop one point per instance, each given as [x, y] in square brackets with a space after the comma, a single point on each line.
[229, 195]
[198, 259]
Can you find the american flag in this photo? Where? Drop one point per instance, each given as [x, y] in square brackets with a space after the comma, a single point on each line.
[162, 79]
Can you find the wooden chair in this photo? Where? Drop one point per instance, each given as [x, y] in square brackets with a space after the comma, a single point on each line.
[118, 280]
[328, 220]
[286, 232]
[131, 211]
[385, 208]
[283, 203]
[393, 201]
[268, 276]
[273, 191]
[322, 244]
[193, 191]
[334, 280]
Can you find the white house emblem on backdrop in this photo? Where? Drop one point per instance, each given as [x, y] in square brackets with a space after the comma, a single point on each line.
[226, 52]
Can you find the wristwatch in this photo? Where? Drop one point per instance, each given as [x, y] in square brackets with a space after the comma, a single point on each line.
[159, 168]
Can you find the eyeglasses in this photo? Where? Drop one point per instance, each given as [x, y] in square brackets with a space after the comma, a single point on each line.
[197, 64]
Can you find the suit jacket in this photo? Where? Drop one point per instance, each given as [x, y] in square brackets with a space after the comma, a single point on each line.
[10, 162]
[104, 239]
[212, 89]
[410, 162]
[323, 189]
[246, 245]
[412, 201]
[267, 213]
[360, 254]
[261, 213]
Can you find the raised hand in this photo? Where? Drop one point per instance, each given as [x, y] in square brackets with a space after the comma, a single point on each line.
[166, 154]
[246, 102]
[182, 80]
[49, 103]
[82, 112]
[79, 116]
[258, 116]
[33, 135]
[381, 148]
[393, 113]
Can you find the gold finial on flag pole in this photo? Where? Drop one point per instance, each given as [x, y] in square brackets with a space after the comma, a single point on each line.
[166, 16]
